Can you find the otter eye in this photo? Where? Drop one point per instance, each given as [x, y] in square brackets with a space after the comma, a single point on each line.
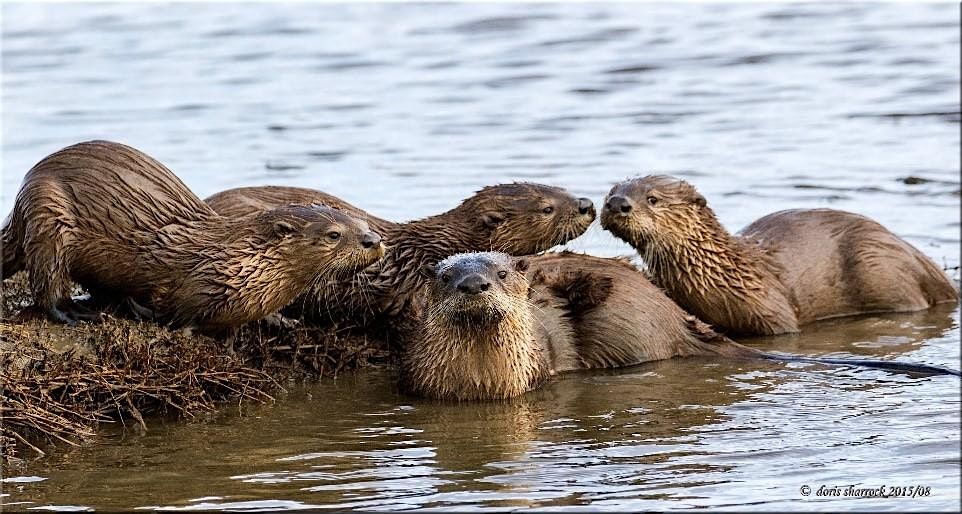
[334, 235]
[548, 210]
[652, 200]
[445, 278]
[502, 274]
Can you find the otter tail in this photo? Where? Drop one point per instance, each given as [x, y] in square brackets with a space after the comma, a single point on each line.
[910, 367]
[706, 341]
[712, 343]
[11, 248]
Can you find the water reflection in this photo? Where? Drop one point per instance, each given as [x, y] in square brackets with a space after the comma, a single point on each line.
[406, 109]
[686, 430]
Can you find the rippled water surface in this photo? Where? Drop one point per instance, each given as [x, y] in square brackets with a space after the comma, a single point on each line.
[406, 109]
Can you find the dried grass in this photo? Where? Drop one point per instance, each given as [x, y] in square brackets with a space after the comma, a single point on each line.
[58, 383]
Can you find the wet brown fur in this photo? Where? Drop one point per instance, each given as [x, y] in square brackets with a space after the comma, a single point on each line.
[121, 224]
[566, 312]
[244, 201]
[506, 217]
[784, 270]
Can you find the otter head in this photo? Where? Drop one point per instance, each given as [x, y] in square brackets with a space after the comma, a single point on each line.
[476, 290]
[525, 218]
[320, 240]
[654, 212]
[477, 339]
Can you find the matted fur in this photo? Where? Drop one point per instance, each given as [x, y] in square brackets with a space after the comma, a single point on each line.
[479, 347]
[124, 226]
[567, 312]
[786, 269]
[508, 217]
[245, 201]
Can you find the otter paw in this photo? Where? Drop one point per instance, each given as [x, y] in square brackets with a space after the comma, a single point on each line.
[73, 314]
[278, 320]
[60, 316]
[138, 311]
[81, 314]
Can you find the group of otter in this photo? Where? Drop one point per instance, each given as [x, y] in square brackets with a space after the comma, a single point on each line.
[486, 314]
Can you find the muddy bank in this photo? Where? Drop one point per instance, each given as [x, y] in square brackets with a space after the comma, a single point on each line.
[59, 383]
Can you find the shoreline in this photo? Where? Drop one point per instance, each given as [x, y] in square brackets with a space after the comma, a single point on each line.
[60, 382]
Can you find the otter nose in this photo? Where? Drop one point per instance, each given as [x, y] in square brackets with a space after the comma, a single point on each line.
[585, 206]
[474, 284]
[370, 240]
[618, 204]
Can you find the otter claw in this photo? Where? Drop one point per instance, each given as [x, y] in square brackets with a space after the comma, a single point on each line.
[278, 320]
[138, 311]
[61, 317]
[88, 316]
[71, 315]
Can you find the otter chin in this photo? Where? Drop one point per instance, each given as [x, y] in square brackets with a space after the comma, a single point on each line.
[486, 351]
[479, 314]
[784, 270]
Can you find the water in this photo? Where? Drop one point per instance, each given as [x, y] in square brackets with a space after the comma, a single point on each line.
[406, 109]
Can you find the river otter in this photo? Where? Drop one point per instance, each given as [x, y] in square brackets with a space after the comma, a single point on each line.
[495, 327]
[518, 219]
[124, 226]
[784, 270]
[243, 201]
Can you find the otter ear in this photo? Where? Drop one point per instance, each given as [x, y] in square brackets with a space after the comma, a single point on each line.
[491, 219]
[429, 271]
[521, 264]
[282, 228]
[700, 201]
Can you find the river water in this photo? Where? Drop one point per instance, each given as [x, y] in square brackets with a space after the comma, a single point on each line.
[405, 110]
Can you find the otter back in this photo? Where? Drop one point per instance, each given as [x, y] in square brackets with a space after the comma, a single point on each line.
[568, 312]
[518, 218]
[838, 263]
[786, 269]
[122, 225]
[245, 201]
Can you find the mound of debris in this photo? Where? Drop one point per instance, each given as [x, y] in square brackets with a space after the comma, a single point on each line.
[57, 383]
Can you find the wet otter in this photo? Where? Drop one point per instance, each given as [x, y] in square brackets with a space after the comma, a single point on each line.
[124, 226]
[519, 219]
[495, 327]
[243, 201]
[784, 270]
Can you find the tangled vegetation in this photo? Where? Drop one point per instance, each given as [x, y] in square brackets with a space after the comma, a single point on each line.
[58, 383]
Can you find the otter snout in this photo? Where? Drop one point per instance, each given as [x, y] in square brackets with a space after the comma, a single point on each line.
[586, 207]
[618, 205]
[473, 284]
[370, 239]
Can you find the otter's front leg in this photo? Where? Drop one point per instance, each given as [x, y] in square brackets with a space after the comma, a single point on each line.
[233, 336]
[138, 311]
[229, 335]
[70, 312]
[278, 320]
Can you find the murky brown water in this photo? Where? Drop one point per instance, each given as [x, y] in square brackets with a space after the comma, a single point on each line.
[405, 109]
[660, 436]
